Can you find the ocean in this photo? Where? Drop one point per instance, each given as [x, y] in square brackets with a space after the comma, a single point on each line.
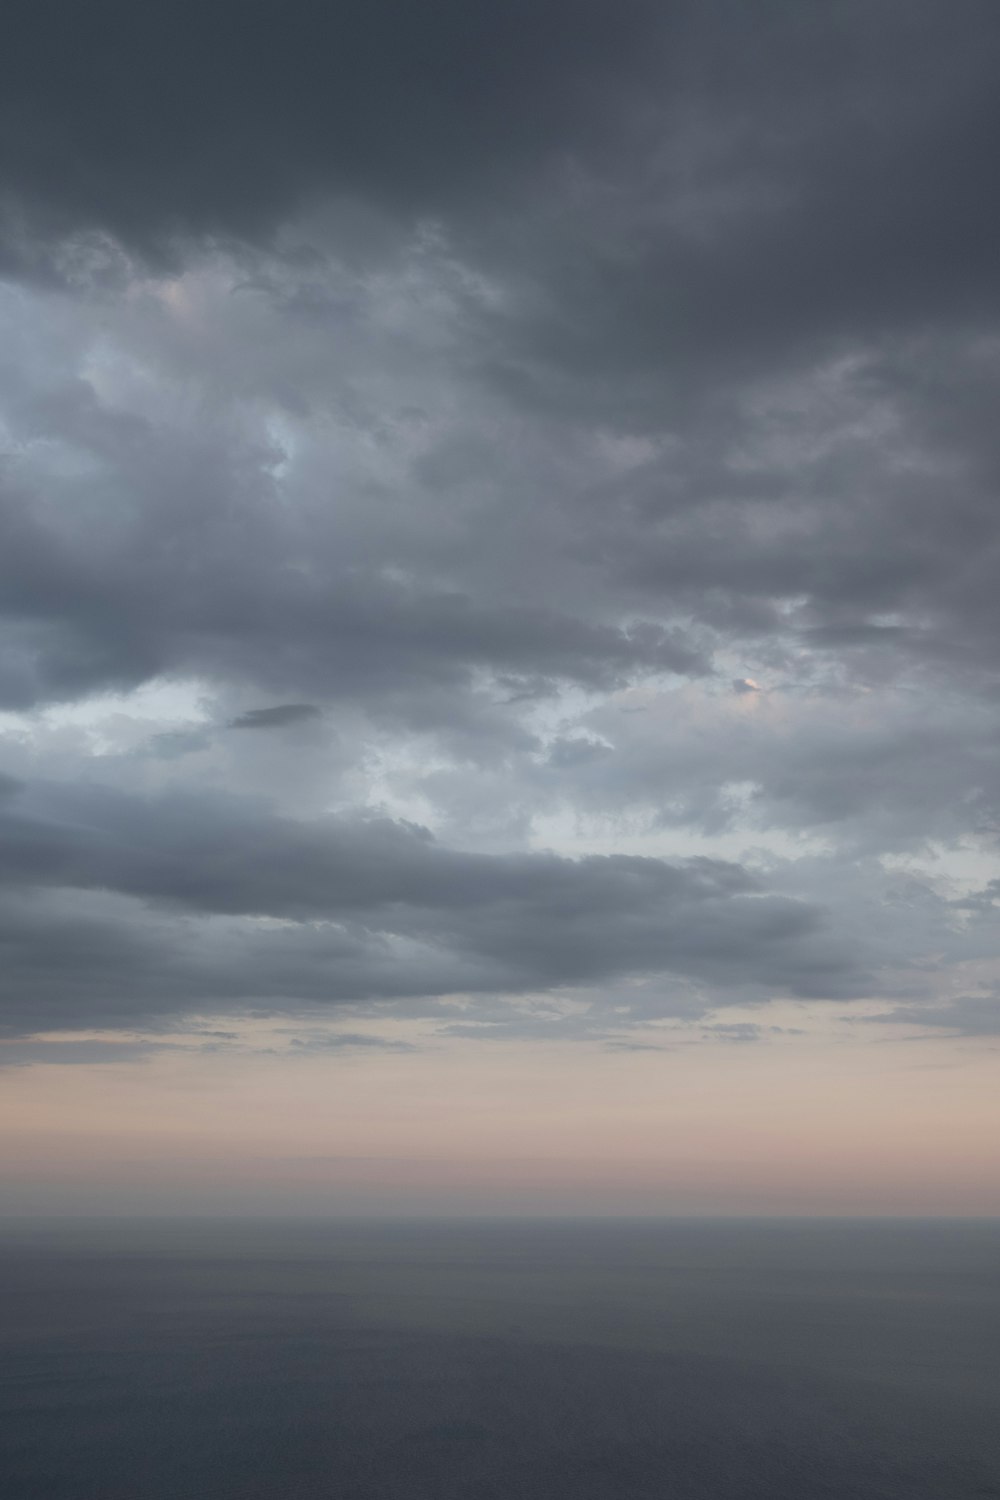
[685, 1360]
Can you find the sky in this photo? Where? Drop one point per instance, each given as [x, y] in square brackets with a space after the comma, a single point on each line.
[499, 620]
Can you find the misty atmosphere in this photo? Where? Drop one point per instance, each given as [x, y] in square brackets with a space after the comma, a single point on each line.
[499, 776]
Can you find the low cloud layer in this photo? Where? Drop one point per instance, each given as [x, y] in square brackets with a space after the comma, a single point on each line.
[260, 907]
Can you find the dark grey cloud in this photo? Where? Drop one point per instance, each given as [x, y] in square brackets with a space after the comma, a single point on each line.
[965, 1015]
[582, 418]
[88, 610]
[772, 174]
[29, 1054]
[277, 717]
[874, 770]
[734, 1031]
[810, 178]
[221, 118]
[355, 909]
[348, 1041]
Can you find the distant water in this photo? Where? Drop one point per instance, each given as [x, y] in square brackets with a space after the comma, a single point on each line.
[570, 1361]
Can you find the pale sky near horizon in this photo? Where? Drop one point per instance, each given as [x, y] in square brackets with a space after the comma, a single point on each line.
[499, 620]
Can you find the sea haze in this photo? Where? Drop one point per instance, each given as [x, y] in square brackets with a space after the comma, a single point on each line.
[720, 1360]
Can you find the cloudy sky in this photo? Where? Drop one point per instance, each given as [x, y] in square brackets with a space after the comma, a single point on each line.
[499, 556]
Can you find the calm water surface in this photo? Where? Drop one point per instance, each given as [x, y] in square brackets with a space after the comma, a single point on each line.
[528, 1361]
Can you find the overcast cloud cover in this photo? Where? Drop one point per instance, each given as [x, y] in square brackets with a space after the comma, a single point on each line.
[499, 509]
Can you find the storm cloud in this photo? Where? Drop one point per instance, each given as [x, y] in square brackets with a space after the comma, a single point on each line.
[498, 500]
